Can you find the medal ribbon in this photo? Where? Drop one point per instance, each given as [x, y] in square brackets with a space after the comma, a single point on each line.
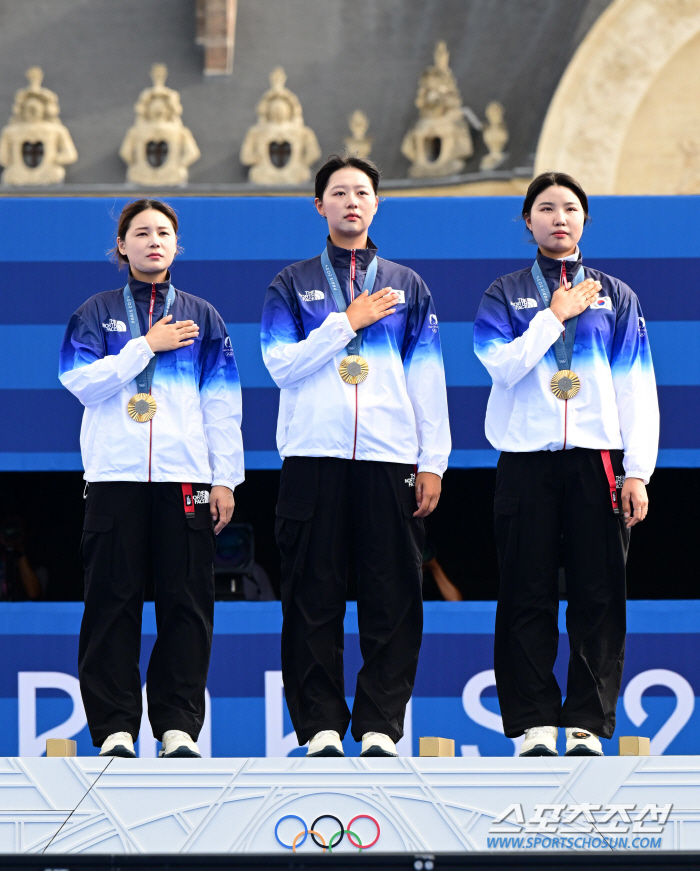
[564, 345]
[355, 345]
[145, 378]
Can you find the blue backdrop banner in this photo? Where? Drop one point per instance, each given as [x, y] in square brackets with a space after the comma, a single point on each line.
[235, 246]
[455, 695]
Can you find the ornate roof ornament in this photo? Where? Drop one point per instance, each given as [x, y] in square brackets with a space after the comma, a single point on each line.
[495, 134]
[158, 148]
[34, 145]
[440, 141]
[359, 144]
[279, 149]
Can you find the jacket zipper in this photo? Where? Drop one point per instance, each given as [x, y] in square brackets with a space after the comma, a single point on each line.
[563, 281]
[352, 297]
[150, 389]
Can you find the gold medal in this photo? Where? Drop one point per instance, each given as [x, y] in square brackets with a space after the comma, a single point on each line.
[565, 384]
[353, 369]
[141, 407]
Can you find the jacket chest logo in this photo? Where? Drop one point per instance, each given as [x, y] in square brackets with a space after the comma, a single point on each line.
[311, 295]
[112, 326]
[520, 304]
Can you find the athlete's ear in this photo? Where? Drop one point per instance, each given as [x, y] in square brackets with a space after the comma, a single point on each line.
[319, 207]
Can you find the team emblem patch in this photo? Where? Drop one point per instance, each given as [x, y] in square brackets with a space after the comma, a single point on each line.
[113, 326]
[602, 302]
[311, 295]
[401, 295]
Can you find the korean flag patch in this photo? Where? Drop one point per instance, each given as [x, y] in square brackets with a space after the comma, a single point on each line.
[602, 302]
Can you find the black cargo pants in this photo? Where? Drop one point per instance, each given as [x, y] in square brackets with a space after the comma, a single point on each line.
[134, 531]
[328, 510]
[551, 505]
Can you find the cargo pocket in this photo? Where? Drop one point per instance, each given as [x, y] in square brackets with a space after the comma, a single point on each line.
[291, 514]
[415, 530]
[96, 543]
[202, 539]
[505, 509]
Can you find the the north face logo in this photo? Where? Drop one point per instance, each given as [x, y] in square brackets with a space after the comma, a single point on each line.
[201, 497]
[311, 295]
[411, 480]
[520, 304]
[113, 326]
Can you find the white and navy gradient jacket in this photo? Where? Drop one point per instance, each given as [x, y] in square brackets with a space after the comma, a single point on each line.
[616, 407]
[195, 435]
[399, 413]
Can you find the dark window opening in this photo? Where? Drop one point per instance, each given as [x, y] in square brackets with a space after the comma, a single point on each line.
[280, 152]
[433, 147]
[157, 153]
[32, 153]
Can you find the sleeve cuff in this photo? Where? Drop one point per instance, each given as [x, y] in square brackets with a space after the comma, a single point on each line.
[644, 476]
[221, 482]
[433, 469]
[144, 348]
[347, 329]
[553, 320]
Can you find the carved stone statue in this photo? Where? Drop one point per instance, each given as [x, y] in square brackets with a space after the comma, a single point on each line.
[158, 148]
[279, 149]
[35, 145]
[440, 141]
[495, 136]
[359, 144]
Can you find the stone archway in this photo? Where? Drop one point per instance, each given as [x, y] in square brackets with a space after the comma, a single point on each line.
[621, 78]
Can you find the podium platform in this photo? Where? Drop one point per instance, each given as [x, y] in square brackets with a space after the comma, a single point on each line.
[630, 806]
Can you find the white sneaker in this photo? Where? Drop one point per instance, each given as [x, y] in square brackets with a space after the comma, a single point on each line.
[377, 744]
[540, 741]
[119, 744]
[178, 745]
[581, 742]
[326, 743]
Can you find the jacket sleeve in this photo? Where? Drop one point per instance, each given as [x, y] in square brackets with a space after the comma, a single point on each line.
[289, 356]
[87, 371]
[220, 401]
[425, 383]
[635, 388]
[508, 359]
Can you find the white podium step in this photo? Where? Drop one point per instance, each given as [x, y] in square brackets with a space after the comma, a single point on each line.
[88, 805]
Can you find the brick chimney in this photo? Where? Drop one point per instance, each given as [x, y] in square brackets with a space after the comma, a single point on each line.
[216, 28]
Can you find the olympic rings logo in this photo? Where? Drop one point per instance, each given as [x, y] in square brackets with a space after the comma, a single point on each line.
[332, 842]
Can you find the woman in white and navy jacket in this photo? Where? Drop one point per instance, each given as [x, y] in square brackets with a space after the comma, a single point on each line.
[364, 434]
[574, 412]
[162, 451]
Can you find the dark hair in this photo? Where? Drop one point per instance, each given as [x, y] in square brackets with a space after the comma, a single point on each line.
[342, 161]
[547, 179]
[129, 212]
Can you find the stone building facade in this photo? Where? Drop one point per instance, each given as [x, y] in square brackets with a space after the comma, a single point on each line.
[595, 87]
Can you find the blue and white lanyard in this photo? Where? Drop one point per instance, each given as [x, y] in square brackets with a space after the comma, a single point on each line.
[564, 346]
[354, 345]
[145, 378]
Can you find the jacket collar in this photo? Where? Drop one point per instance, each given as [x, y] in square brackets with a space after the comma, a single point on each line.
[552, 268]
[340, 257]
[142, 288]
